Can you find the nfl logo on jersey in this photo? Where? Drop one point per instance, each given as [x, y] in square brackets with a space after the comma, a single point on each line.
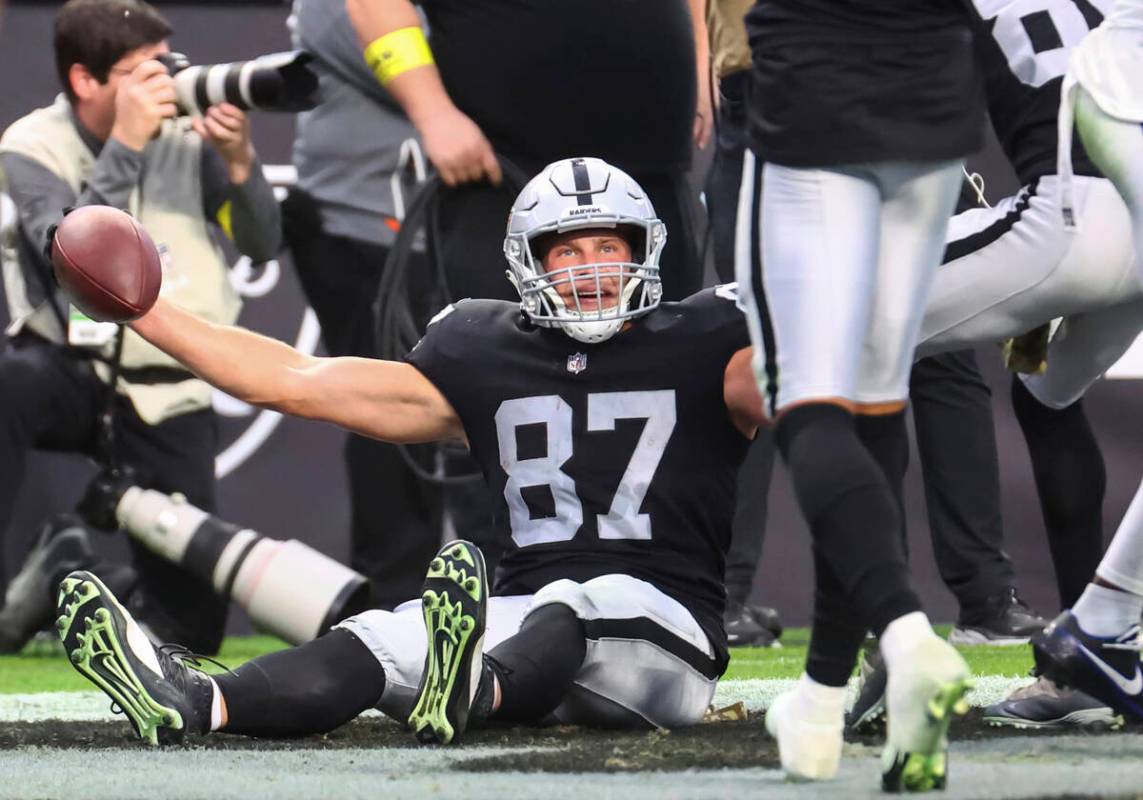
[577, 363]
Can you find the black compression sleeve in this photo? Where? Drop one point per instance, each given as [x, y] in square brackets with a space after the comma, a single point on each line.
[537, 664]
[312, 688]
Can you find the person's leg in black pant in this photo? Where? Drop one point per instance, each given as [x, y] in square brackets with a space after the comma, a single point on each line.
[722, 185]
[724, 179]
[956, 440]
[395, 516]
[1071, 482]
[674, 202]
[49, 401]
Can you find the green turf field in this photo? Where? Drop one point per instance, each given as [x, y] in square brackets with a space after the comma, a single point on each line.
[42, 666]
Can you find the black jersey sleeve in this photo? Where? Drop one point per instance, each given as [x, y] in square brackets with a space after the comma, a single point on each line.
[721, 320]
[459, 347]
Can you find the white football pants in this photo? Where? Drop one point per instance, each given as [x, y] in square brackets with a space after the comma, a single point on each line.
[849, 255]
[1116, 147]
[1015, 266]
[647, 657]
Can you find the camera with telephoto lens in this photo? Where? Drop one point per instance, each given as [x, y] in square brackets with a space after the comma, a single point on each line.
[275, 82]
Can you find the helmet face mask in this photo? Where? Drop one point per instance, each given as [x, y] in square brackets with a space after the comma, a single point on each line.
[589, 302]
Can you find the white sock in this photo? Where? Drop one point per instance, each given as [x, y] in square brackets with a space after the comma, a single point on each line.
[215, 705]
[902, 635]
[1107, 612]
[1122, 564]
[819, 704]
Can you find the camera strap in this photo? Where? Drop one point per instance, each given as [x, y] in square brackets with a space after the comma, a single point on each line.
[106, 435]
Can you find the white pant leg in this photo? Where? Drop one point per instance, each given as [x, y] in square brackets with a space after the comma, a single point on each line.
[748, 274]
[648, 661]
[1083, 348]
[397, 640]
[1116, 147]
[1016, 266]
[1122, 564]
[917, 202]
[819, 246]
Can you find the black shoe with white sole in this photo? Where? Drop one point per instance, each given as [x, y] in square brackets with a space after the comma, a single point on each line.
[63, 545]
[1045, 706]
[1003, 619]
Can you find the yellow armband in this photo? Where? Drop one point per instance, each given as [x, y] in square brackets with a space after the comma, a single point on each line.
[398, 52]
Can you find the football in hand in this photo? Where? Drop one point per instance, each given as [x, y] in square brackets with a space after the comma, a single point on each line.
[106, 263]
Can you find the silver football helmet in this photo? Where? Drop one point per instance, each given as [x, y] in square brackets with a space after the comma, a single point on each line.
[575, 194]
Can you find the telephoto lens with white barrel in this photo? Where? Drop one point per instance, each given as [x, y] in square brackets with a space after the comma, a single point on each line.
[275, 82]
[288, 588]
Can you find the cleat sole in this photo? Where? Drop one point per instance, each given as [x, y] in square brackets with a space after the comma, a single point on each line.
[97, 654]
[926, 769]
[451, 634]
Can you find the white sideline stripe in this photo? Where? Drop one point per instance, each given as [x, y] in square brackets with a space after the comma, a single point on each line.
[755, 693]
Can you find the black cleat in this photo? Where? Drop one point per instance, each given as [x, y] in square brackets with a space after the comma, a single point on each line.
[1003, 619]
[743, 628]
[1045, 706]
[1106, 667]
[62, 546]
[454, 603]
[869, 707]
[153, 686]
[768, 618]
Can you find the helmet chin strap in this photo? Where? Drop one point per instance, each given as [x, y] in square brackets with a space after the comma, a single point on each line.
[593, 331]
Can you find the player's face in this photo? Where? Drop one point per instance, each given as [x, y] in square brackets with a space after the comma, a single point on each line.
[586, 248]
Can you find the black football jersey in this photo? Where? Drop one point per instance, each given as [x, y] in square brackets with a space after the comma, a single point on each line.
[618, 457]
[839, 82]
[1023, 47]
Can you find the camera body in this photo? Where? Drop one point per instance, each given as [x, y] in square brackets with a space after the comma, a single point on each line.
[275, 82]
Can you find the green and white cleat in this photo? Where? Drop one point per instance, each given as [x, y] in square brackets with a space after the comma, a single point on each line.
[922, 700]
[454, 603]
[162, 697]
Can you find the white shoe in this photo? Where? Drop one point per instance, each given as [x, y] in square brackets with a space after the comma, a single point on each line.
[809, 751]
[927, 687]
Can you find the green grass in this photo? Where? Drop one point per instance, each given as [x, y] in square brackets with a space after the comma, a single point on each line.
[786, 661]
[42, 667]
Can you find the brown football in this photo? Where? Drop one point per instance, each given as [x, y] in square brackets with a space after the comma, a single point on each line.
[106, 263]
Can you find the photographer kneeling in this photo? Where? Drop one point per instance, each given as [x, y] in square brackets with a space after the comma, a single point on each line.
[113, 139]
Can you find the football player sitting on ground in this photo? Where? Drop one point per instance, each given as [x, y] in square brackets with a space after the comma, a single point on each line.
[612, 426]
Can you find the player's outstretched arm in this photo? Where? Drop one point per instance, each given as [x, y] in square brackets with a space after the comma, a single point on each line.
[387, 400]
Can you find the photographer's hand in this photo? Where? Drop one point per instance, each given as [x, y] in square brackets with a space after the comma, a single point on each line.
[143, 100]
[228, 128]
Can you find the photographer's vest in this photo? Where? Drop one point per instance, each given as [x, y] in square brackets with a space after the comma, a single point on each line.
[168, 202]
